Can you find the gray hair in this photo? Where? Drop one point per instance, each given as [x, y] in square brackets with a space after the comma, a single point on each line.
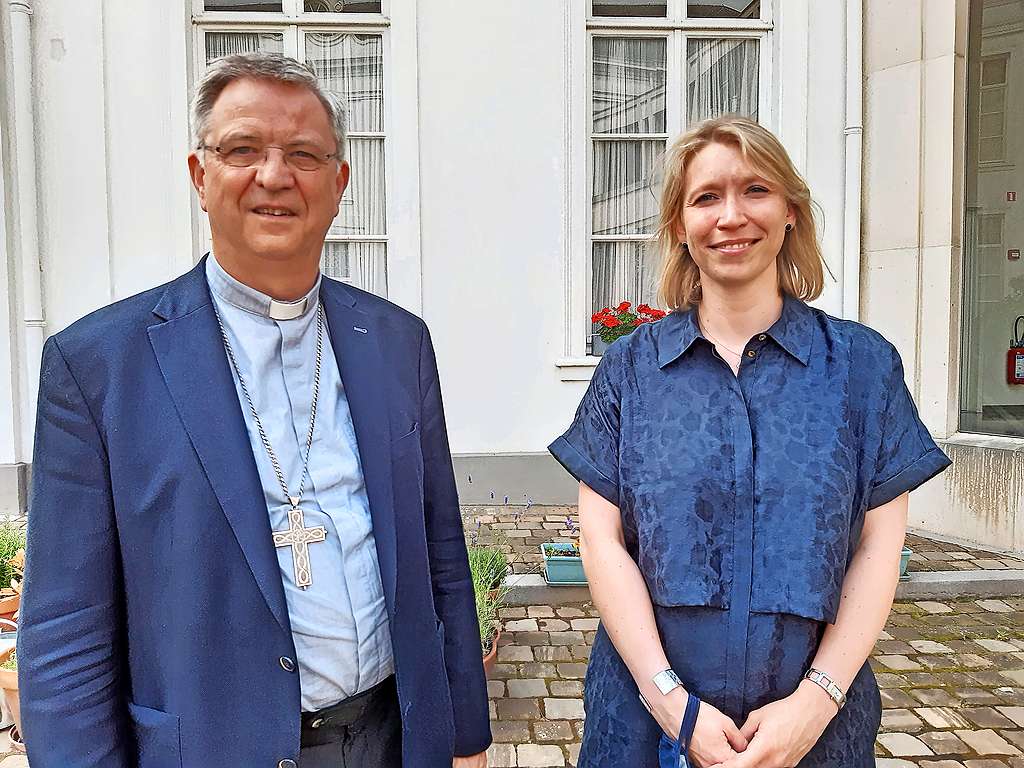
[273, 67]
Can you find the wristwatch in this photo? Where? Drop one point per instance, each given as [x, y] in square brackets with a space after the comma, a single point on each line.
[827, 684]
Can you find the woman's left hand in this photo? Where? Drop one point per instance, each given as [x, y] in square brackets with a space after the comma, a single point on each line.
[478, 760]
[781, 733]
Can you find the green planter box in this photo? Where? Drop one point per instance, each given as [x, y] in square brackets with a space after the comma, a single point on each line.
[562, 566]
[905, 563]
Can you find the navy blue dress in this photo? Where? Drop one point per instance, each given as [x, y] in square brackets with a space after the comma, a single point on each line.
[742, 500]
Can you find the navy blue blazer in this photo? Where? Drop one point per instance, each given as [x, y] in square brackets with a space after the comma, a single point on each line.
[154, 628]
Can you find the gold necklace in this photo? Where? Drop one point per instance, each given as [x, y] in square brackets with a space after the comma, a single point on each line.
[716, 342]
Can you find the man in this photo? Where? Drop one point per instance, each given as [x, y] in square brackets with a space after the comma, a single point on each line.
[244, 542]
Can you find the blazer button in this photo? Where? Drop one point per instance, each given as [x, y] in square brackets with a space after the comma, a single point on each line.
[287, 764]
[288, 666]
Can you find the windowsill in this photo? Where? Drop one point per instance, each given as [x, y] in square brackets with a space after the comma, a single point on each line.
[975, 440]
[577, 368]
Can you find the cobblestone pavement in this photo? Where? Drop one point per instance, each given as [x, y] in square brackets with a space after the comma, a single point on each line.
[951, 677]
[951, 674]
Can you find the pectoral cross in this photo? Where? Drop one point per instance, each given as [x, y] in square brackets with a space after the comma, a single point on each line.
[298, 537]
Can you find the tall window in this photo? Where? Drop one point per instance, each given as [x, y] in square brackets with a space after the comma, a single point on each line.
[992, 349]
[657, 68]
[344, 43]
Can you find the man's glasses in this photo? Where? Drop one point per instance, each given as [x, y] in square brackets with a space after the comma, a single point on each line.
[248, 154]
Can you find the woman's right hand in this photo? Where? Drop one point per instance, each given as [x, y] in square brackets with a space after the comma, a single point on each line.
[716, 737]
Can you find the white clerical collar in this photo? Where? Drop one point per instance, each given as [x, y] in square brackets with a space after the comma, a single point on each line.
[248, 299]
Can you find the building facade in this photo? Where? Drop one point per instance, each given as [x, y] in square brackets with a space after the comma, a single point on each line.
[504, 187]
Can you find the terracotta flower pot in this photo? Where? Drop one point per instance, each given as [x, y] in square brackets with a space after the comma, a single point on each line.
[9, 684]
[491, 656]
[9, 606]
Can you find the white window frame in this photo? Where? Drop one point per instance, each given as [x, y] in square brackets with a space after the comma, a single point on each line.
[581, 29]
[397, 26]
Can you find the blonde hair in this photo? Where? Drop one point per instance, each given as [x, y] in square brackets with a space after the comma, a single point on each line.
[800, 263]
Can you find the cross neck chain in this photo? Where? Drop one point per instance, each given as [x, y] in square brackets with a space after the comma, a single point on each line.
[293, 500]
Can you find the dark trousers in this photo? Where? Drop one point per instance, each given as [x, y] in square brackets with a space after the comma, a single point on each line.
[364, 731]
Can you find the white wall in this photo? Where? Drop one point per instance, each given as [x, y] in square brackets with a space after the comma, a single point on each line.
[112, 126]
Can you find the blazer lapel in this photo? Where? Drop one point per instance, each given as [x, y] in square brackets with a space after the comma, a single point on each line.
[361, 366]
[194, 365]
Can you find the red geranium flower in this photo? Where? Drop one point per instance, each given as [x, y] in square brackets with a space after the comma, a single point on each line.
[623, 307]
[610, 322]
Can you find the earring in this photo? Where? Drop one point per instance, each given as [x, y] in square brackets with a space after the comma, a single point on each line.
[789, 227]
[686, 247]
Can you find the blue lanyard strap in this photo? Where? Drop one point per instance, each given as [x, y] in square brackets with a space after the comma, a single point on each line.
[689, 723]
[676, 753]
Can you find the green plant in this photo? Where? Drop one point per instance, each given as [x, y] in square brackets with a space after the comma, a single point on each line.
[12, 542]
[487, 567]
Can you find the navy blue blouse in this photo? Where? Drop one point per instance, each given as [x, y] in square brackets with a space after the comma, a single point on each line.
[762, 478]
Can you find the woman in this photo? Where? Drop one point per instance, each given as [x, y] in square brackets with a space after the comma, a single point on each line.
[744, 467]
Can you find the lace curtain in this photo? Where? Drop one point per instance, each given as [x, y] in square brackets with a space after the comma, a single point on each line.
[224, 43]
[361, 264]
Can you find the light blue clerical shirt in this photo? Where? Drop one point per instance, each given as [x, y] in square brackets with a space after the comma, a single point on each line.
[339, 623]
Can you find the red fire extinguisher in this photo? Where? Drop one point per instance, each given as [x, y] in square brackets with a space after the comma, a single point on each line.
[1015, 355]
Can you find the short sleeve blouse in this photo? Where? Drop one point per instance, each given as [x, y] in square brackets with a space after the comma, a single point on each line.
[757, 484]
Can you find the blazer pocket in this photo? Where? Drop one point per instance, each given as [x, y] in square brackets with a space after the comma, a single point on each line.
[157, 737]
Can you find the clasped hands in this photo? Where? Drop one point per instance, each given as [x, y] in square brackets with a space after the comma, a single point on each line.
[777, 735]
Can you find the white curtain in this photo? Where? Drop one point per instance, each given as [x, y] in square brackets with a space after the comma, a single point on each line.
[721, 78]
[352, 66]
[624, 200]
[363, 208]
[364, 265]
[624, 271]
[629, 85]
[224, 43]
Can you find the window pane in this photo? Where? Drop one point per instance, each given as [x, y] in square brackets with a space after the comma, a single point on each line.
[624, 200]
[723, 9]
[248, 6]
[650, 8]
[721, 78]
[629, 85]
[993, 71]
[352, 66]
[991, 126]
[624, 271]
[990, 150]
[363, 265]
[993, 100]
[363, 205]
[223, 43]
[340, 6]
[991, 399]
[990, 229]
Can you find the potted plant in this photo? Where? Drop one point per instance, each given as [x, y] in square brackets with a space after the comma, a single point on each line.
[487, 567]
[9, 685]
[563, 564]
[615, 323]
[12, 567]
